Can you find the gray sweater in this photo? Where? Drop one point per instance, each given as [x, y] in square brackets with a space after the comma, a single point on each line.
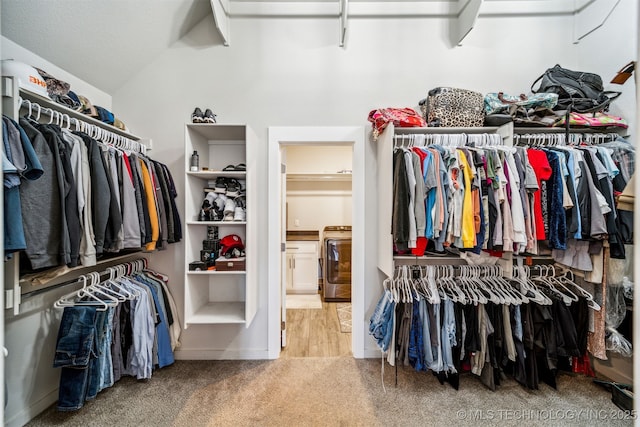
[41, 208]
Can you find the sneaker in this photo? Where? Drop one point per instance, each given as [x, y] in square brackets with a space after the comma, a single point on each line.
[229, 210]
[197, 116]
[211, 196]
[215, 213]
[234, 188]
[219, 201]
[209, 117]
[221, 185]
[239, 214]
[205, 211]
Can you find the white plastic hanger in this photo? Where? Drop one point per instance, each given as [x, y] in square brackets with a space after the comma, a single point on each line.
[571, 281]
[75, 298]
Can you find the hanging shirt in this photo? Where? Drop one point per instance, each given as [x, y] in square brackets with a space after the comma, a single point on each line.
[468, 234]
[408, 160]
[542, 169]
[517, 211]
[149, 190]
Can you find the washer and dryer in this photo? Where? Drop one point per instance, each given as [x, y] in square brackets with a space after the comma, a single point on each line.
[336, 261]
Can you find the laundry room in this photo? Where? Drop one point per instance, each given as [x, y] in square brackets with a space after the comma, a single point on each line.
[318, 213]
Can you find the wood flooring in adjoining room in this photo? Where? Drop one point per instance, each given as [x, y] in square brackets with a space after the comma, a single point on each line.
[316, 333]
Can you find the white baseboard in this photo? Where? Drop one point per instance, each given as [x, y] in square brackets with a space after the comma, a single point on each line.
[371, 353]
[31, 411]
[213, 354]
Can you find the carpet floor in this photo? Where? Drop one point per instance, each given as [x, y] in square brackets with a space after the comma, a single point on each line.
[339, 391]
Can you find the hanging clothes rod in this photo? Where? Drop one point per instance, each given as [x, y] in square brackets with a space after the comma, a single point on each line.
[449, 140]
[81, 278]
[575, 138]
[94, 131]
[112, 272]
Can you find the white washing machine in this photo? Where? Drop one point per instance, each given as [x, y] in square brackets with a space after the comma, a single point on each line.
[336, 261]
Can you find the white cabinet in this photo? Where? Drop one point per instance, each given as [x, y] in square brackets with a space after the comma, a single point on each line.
[219, 297]
[302, 267]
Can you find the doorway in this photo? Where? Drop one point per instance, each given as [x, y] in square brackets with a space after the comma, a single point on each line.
[317, 197]
[280, 138]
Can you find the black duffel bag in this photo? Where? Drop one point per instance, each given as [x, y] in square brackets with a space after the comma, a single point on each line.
[577, 91]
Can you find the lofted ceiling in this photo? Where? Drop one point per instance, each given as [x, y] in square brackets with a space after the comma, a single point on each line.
[105, 42]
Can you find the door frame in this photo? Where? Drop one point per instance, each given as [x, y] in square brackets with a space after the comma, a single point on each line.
[311, 135]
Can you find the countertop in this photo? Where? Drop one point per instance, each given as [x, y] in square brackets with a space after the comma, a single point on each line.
[303, 235]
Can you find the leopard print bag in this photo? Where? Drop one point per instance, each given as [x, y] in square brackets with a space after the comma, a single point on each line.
[452, 107]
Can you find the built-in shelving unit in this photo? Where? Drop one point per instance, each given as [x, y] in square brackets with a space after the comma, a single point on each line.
[215, 296]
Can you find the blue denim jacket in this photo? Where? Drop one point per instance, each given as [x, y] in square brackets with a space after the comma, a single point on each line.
[381, 322]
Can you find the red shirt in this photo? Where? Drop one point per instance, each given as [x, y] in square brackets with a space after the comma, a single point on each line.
[542, 169]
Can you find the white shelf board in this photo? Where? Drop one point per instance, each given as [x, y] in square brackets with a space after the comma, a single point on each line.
[218, 312]
[219, 131]
[215, 273]
[49, 103]
[520, 130]
[38, 281]
[217, 223]
[428, 259]
[319, 177]
[443, 130]
[215, 174]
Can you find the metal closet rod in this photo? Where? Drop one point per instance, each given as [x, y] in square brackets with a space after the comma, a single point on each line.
[450, 139]
[82, 277]
[560, 138]
[96, 132]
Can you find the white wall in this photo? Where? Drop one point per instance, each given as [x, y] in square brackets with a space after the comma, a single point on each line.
[291, 72]
[318, 159]
[11, 50]
[314, 204]
[607, 50]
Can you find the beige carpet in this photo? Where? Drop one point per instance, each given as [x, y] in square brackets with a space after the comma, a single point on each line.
[303, 301]
[329, 392]
[344, 316]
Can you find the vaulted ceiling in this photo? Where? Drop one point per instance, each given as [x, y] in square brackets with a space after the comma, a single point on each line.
[105, 42]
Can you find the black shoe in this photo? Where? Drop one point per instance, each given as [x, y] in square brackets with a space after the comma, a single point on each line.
[221, 185]
[234, 188]
[197, 116]
[452, 250]
[209, 117]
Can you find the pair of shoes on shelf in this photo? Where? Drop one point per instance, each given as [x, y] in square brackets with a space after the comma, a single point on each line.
[221, 207]
[211, 210]
[240, 167]
[229, 186]
[199, 117]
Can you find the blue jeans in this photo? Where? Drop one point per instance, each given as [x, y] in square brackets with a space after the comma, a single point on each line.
[74, 354]
[426, 334]
[106, 361]
[380, 324]
[416, 344]
[95, 367]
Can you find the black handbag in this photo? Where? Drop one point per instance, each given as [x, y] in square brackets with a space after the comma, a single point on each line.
[577, 91]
